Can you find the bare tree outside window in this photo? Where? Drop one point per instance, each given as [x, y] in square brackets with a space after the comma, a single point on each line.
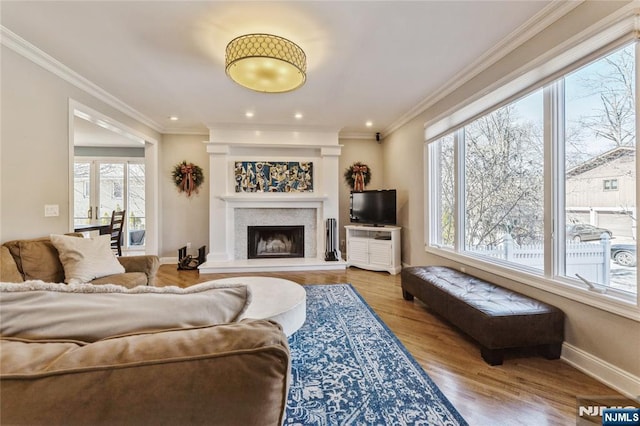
[504, 177]
[443, 151]
[600, 160]
[502, 174]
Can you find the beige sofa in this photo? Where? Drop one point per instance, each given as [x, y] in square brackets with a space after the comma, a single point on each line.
[37, 259]
[184, 361]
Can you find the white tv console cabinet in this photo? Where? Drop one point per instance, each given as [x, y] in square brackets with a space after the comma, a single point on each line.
[376, 248]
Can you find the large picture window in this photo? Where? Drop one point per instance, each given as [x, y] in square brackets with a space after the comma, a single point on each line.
[546, 184]
[503, 190]
[600, 145]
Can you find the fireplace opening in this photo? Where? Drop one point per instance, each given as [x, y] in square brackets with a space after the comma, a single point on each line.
[271, 242]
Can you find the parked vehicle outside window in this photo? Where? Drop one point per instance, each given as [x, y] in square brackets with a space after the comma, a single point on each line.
[624, 254]
[585, 232]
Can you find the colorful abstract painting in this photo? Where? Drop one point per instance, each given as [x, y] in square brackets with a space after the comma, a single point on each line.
[273, 176]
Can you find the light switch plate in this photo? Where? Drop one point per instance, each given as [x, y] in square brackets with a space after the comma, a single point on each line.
[51, 210]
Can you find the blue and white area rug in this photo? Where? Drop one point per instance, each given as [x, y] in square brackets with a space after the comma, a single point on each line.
[349, 369]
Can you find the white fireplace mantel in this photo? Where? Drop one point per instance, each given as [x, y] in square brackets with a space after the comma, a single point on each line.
[228, 145]
[259, 198]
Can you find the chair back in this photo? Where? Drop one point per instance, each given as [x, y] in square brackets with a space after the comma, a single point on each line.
[117, 225]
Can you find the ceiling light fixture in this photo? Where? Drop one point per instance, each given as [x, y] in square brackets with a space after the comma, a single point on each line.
[266, 63]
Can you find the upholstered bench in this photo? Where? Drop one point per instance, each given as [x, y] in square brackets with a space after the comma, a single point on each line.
[494, 316]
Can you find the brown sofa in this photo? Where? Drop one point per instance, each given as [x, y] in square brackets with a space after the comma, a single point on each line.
[37, 259]
[153, 355]
[189, 376]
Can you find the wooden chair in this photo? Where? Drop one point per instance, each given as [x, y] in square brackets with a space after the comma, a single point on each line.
[117, 225]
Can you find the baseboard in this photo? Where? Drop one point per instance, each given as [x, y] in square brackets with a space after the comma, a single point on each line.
[612, 376]
[168, 260]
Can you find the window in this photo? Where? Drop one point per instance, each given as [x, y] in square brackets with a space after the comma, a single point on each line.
[102, 185]
[503, 183]
[444, 194]
[600, 141]
[545, 185]
[136, 204]
[610, 184]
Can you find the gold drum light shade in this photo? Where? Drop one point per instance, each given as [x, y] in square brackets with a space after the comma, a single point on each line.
[266, 63]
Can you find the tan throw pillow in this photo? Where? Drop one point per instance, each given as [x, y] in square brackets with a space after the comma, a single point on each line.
[40, 261]
[85, 259]
[8, 269]
[37, 310]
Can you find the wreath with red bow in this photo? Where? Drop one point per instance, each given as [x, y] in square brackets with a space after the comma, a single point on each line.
[357, 176]
[188, 177]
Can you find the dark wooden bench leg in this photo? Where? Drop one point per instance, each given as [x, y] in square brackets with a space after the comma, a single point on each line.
[492, 356]
[551, 351]
[406, 295]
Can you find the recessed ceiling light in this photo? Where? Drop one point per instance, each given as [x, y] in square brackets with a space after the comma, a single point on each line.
[248, 114]
[369, 123]
[173, 118]
[298, 115]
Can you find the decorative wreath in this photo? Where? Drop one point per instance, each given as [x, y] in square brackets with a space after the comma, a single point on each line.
[356, 173]
[188, 177]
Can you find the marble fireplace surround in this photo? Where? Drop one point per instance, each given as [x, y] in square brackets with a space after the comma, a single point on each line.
[244, 218]
[230, 212]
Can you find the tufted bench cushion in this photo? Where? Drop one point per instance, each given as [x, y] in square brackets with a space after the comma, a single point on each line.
[494, 316]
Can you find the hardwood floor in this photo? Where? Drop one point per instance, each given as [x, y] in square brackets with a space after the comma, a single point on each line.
[525, 390]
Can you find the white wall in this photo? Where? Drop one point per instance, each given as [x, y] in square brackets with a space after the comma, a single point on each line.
[603, 342]
[185, 219]
[35, 146]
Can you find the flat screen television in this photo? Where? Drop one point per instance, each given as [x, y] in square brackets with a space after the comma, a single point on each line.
[373, 207]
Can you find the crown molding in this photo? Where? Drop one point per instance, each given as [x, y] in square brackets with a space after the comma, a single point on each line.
[272, 127]
[520, 35]
[357, 135]
[22, 47]
[197, 131]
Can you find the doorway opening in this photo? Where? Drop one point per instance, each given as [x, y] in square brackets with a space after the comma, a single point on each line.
[112, 167]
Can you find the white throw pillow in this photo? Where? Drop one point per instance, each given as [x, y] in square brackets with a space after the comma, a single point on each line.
[85, 259]
[86, 312]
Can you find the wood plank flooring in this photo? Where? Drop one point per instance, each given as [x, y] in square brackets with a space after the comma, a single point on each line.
[525, 390]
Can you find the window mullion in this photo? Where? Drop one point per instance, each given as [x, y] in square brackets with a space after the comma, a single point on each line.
[554, 171]
[635, 212]
[435, 223]
[125, 201]
[94, 180]
[459, 155]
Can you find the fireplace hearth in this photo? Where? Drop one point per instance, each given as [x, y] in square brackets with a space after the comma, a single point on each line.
[271, 242]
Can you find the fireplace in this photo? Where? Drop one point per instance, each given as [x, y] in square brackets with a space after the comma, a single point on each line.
[231, 213]
[270, 242]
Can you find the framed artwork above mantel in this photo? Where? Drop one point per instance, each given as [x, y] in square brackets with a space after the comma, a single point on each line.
[273, 176]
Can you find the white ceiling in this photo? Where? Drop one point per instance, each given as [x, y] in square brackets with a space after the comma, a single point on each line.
[367, 60]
